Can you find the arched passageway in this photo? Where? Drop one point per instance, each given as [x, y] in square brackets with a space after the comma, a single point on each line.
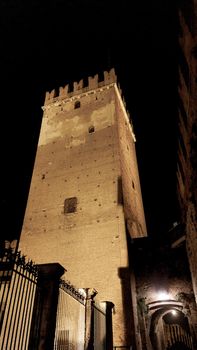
[169, 328]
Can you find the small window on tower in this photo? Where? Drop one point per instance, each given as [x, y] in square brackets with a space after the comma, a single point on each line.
[119, 191]
[91, 129]
[77, 104]
[70, 205]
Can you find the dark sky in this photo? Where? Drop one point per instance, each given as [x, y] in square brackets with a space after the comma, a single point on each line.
[46, 44]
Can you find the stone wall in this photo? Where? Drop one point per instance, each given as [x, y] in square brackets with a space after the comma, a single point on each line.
[187, 164]
[79, 158]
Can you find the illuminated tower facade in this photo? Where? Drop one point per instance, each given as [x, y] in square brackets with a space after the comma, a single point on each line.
[85, 195]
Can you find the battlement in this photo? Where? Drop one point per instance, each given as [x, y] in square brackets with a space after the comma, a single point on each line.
[79, 87]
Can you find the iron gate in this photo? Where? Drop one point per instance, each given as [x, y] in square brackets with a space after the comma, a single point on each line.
[18, 281]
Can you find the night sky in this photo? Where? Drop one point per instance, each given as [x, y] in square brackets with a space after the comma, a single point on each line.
[46, 44]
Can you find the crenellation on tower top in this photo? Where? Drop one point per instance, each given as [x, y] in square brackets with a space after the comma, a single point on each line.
[110, 77]
[63, 91]
[79, 87]
[93, 82]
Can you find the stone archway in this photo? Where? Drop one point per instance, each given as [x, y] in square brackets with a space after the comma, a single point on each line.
[169, 327]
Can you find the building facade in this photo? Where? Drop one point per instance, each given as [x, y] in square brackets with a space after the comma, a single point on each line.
[187, 164]
[85, 197]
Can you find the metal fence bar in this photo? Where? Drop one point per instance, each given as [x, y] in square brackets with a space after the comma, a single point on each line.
[29, 311]
[5, 284]
[23, 301]
[70, 320]
[24, 306]
[16, 311]
[18, 281]
[8, 311]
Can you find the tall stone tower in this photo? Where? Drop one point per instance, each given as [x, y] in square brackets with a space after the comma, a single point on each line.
[85, 192]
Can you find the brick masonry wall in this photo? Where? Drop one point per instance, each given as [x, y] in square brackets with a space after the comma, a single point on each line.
[187, 127]
[71, 162]
[133, 206]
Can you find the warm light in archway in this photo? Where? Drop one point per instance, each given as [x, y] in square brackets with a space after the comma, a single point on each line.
[162, 295]
[174, 312]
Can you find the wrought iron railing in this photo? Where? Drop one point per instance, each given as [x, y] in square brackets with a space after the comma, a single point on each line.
[70, 320]
[18, 280]
[35, 308]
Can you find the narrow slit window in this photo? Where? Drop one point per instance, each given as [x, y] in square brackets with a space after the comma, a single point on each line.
[91, 129]
[119, 191]
[77, 104]
[70, 205]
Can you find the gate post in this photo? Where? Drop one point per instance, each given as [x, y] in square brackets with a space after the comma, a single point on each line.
[43, 330]
[109, 330]
[89, 321]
